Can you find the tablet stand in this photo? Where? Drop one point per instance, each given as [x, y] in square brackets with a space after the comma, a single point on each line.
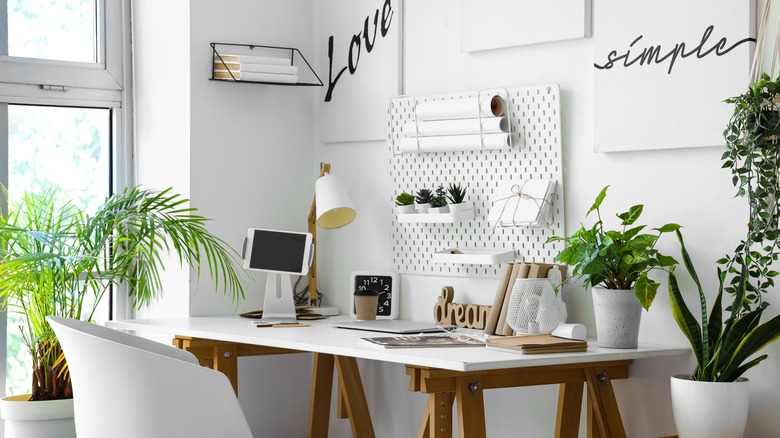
[278, 303]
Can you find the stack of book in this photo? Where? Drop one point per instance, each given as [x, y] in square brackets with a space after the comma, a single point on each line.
[255, 68]
[268, 69]
[537, 344]
[496, 323]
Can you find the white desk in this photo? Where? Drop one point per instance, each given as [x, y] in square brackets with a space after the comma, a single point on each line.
[445, 374]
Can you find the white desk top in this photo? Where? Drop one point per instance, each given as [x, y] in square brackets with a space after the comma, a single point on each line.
[322, 337]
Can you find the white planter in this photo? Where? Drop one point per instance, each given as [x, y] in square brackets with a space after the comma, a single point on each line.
[455, 208]
[423, 208]
[405, 209]
[37, 419]
[710, 409]
[618, 314]
[436, 210]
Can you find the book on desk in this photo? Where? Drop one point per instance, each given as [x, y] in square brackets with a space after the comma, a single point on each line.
[536, 344]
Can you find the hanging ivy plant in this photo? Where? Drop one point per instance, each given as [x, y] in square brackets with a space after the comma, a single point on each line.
[753, 156]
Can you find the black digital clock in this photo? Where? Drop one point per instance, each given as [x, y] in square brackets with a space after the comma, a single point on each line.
[386, 283]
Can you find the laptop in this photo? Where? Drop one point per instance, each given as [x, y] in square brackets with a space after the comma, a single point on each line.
[397, 326]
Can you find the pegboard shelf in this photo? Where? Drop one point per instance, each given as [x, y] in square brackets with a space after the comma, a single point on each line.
[534, 114]
[473, 256]
[433, 218]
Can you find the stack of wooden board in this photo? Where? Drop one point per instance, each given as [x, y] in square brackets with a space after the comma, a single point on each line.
[496, 321]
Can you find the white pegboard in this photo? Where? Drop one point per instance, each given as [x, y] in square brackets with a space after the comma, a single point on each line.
[534, 113]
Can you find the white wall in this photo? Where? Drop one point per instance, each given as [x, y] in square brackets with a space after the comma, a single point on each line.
[252, 160]
[162, 117]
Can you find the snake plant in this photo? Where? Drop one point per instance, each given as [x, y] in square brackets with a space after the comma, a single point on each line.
[57, 260]
[724, 349]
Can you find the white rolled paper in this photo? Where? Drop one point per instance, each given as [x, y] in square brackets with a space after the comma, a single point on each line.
[457, 127]
[269, 68]
[571, 331]
[472, 107]
[451, 143]
[269, 77]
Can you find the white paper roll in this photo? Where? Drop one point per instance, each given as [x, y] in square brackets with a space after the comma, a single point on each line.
[448, 143]
[269, 77]
[457, 127]
[487, 106]
[257, 59]
[269, 68]
[571, 331]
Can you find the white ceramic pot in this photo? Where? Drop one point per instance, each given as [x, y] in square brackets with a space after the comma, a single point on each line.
[405, 209]
[618, 314]
[435, 210]
[710, 409]
[455, 208]
[423, 208]
[37, 419]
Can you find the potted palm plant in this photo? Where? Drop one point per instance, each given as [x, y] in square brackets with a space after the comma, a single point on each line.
[57, 260]
[725, 348]
[615, 264]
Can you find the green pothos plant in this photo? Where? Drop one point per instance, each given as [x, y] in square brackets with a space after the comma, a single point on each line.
[618, 259]
[725, 348]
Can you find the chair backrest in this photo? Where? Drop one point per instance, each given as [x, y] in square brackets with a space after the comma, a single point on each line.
[125, 386]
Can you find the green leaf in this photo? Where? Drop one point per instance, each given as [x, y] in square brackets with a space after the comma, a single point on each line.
[685, 319]
[598, 201]
[631, 215]
[645, 290]
[668, 228]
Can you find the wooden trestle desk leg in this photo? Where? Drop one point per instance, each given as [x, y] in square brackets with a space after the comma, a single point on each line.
[354, 397]
[567, 423]
[602, 406]
[321, 385]
[471, 407]
[437, 419]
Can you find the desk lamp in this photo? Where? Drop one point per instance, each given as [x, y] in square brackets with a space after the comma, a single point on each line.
[330, 208]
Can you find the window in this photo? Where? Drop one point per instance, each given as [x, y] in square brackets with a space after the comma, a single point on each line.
[63, 117]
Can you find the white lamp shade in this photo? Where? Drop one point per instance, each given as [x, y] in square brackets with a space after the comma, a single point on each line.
[334, 208]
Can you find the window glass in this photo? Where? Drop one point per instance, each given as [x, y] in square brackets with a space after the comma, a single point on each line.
[68, 147]
[62, 30]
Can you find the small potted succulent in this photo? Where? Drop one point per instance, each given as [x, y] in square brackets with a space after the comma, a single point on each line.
[405, 203]
[423, 199]
[457, 197]
[439, 201]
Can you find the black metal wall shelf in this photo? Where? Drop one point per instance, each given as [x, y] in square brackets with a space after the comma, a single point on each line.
[218, 50]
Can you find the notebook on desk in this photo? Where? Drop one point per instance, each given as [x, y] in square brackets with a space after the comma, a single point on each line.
[398, 326]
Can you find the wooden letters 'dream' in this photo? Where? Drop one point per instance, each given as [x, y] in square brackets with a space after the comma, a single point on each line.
[445, 312]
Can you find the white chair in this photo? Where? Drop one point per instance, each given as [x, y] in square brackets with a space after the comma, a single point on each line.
[125, 386]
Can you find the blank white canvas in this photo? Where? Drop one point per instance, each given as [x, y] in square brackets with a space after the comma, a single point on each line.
[495, 24]
[644, 106]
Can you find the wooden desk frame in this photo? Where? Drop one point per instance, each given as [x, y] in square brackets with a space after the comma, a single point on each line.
[444, 388]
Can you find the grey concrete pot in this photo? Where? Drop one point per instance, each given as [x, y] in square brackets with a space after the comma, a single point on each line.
[618, 314]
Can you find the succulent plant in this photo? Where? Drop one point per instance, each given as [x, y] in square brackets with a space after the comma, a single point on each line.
[424, 196]
[455, 193]
[440, 199]
[404, 199]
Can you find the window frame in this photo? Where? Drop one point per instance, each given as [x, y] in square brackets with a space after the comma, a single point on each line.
[42, 81]
[105, 84]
